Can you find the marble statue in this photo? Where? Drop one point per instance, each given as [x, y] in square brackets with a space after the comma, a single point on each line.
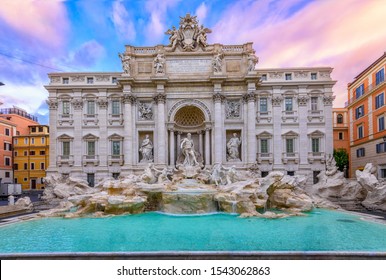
[217, 63]
[159, 64]
[187, 149]
[331, 167]
[145, 111]
[233, 148]
[152, 175]
[125, 62]
[221, 175]
[252, 61]
[146, 149]
[173, 39]
[201, 35]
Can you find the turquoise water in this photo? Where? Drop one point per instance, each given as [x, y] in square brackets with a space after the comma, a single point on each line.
[321, 230]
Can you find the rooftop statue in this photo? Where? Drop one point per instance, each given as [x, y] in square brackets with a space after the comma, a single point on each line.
[190, 36]
[125, 62]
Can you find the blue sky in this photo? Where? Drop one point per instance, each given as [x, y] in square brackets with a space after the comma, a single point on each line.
[39, 37]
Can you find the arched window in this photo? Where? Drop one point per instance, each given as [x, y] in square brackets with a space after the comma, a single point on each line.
[339, 118]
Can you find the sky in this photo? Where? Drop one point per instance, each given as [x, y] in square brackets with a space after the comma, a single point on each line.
[38, 37]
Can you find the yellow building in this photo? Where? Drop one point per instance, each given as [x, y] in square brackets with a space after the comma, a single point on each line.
[31, 157]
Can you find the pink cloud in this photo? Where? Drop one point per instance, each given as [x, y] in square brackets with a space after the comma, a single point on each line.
[122, 21]
[346, 35]
[44, 20]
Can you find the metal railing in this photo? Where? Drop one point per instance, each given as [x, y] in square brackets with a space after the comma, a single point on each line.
[367, 89]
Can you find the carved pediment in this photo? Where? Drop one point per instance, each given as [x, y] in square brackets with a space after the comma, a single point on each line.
[290, 134]
[316, 133]
[90, 137]
[265, 134]
[115, 136]
[64, 137]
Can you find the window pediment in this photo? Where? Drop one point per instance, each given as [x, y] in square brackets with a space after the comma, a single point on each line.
[90, 137]
[264, 134]
[316, 133]
[290, 134]
[65, 137]
[115, 136]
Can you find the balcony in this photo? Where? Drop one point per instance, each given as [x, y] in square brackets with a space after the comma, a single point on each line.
[289, 115]
[286, 157]
[65, 159]
[262, 157]
[264, 116]
[315, 114]
[367, 90]
[115, 119]
[90, 119]
[90, 159]
[316, 156]
[65, 119]
[115, 159]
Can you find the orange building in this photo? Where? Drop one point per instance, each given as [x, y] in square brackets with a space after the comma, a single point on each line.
[340, 130]
[367, 114]
[13, 121]
[7, 131]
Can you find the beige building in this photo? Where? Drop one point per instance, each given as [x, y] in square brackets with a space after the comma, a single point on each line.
[116, 123]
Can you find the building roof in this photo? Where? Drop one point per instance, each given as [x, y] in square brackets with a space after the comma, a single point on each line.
[368, 68]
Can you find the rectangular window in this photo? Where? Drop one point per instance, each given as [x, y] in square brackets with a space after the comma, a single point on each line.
[40, 129]
[114, 80]
[360, 132]
[43, 140]
[90, 80]
[340, 135]
[359, 112]
[7, 146]
[314, 76]
[90, 179]
[32, 166]
[115, 107]
[379, 76]
[16, 166]
[381, 147]
[315, 145]
[90, 107]
[66, 148]
[7, 132]
[25, 153]
[26, 140]
[288, 77]
[359, 91]
[264, 77]
[289, 145]
[91, 148]
[32, 153]
[7, 161]
[7, 174]
[32, 140]
[264, 146]
[116, 148]
[15, 154]
[65, 81]
[361, 152]
[66, 107]
[15, 181]
[314, 103]
[33, 129]
[15, 141]
[42, 153]
[42, 165]
[379, 100]
[263, 104]
[25, 166]
[383, 173]
[288, 104]
[381, 123]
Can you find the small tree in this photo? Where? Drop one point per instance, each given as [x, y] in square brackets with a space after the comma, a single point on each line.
[341, 158]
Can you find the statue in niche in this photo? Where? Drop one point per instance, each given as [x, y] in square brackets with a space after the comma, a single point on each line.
[233, 148]
[146, 149]
[125, 62]
[217, 63]
[252, 61]
[145, 111]
[159, 63]
[187, 149]
[232, 110]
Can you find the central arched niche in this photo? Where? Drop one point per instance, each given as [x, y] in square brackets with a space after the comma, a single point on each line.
[189, 117]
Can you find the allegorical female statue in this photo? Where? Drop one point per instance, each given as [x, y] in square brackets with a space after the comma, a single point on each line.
[146, 149]
[233, 148]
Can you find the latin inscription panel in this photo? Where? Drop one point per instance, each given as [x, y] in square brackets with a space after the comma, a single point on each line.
[188, 66]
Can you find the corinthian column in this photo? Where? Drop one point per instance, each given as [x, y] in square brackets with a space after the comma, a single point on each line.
[218, 128]
[160, 99]
[207, 147]
[251, 127]
[128, 100]
[171, 149]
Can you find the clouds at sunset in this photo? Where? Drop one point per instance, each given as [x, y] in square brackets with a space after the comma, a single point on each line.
[39, 36]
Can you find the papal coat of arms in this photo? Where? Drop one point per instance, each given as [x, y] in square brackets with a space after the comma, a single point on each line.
[190, 35]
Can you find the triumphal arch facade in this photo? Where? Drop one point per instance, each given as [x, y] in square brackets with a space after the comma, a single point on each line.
[190, 103]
